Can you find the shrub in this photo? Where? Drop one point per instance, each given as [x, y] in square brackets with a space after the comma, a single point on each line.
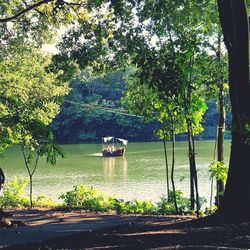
[218, 170]
[140, 207]
[183, 203]
[117, 205]
[166, 204]
[44, 201]
[90, 199]
[13, 195]
[86, 198]
[165, 207]
[211, 210]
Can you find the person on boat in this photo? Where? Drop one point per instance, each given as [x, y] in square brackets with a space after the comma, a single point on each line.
[2, 179]
[109, 149]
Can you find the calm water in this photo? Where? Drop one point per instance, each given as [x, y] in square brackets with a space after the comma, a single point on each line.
[140, 174]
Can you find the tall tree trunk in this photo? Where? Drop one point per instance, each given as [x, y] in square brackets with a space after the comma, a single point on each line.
[235, 26]
[191, 164]
[196, 180]
[220, 142]
[191, 148]
[30, 172]
[220, 187]
[31, 191]
[172, 170]
[193, 171]
[166, 162]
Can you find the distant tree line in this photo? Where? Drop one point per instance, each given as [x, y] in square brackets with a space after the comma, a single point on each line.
[93, 110]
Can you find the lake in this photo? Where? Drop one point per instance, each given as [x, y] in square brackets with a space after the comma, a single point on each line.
[140, 174]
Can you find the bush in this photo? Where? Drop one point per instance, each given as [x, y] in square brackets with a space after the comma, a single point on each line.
[211, 210]
[117, 205]
[86, 198]
[44, 201]
[13, 195]
[90, 199]
[166, 205]
[183, 203]
[140, 207]
[218, 170]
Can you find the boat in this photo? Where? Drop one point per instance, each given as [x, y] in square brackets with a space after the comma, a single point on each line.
[112, 147]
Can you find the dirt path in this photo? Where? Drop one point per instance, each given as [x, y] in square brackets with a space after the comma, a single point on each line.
[95, 231]
[44, 225]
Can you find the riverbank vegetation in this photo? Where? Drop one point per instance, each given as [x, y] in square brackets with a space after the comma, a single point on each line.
[90, 199]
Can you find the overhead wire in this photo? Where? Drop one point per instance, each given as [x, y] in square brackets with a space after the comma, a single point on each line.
[101, 108]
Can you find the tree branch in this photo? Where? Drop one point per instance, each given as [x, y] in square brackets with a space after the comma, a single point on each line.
[25, 3]
[25, 160]
[37, 158]
[31, 7]
[74, 4]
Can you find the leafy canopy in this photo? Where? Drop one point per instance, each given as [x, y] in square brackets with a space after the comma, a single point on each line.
[30, 95]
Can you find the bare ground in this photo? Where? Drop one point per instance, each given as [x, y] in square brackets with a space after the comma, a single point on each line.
[149, 232]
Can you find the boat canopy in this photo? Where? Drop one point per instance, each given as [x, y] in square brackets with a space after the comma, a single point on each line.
[125, 142]
[107, 139]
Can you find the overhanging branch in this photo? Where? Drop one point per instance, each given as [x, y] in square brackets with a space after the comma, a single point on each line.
[29, 8]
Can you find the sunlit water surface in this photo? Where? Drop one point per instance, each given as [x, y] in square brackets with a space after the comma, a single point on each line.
[140, 174]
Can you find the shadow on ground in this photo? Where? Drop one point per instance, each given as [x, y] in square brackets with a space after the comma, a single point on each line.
[161, 232]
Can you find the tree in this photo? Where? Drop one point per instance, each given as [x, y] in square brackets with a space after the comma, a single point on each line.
[28, 90]
[30, 98]
[154, 104]
[42, 145]
[51, 10]
[235, 26]
[218, 89]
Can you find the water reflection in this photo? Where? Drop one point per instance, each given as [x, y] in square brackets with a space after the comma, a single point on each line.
[115, 166]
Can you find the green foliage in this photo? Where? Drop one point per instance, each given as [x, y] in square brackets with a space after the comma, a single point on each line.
[218, 170]
[211, 210]
[166, 204]
[89, 112]
[13, 195]
[167, 48]
[90, 199]
[183, 203]
[44, 201]
[117, 205]
[38, 20]
[30, 95]
[127, 207]
[139, 207]
[165, 207]
[153, 104]
[86, 198]
[87, 120]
